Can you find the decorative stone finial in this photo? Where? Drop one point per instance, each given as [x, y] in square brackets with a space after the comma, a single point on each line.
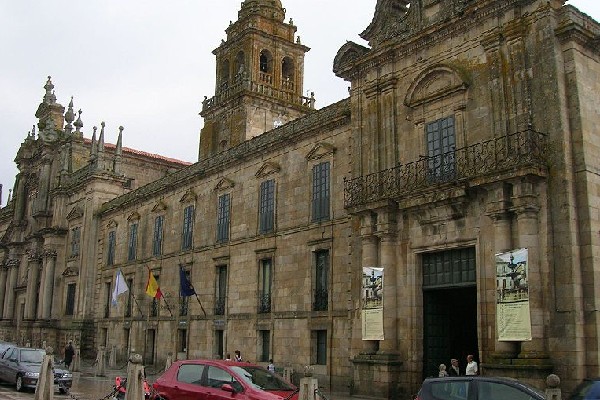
[49, 97]
[78, 123]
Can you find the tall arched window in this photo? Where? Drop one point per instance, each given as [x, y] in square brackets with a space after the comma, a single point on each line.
[287, 73]
[240, 65]
[266, 66]
[224, 74]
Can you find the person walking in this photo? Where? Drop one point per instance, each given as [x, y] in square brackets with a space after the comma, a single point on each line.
[237, 356]
[69, 354]
[454, 369]
[271, 366]
[471, 366]
[443, 373]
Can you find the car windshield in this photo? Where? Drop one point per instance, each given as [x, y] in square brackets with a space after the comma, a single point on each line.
[262, 379]
[32, 356]
[586, 390]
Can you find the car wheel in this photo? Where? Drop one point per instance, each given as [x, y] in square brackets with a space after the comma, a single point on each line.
[19, 384]
[63, 390]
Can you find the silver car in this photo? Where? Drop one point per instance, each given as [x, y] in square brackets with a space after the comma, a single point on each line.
[21, 366]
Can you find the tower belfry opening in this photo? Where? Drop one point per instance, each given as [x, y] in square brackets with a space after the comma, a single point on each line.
[259, 78]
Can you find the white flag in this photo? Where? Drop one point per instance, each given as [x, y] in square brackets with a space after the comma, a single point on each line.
[120, 287]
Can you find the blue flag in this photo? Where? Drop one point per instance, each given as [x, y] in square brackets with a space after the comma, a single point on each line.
[185, 288]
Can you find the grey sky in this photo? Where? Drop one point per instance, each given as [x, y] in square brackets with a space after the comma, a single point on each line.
[147, 64]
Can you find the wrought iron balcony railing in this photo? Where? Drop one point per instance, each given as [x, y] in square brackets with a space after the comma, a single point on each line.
[264, 303]
[184, 303]
[494, 156]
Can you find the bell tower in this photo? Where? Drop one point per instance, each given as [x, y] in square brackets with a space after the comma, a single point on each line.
[259, 78]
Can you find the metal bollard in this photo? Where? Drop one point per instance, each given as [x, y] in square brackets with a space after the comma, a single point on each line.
[169, 360]
[553, 391]
[135, 378]
[287, 374]
[100, 363]
[308, 388]
[45, 387]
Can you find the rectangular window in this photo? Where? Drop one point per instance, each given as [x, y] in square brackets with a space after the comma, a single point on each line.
[449, 268]
[158, 235]
[75, 241]
[70, 306]
[321, 298]
[320, 192]
[265, 273]
[441, 144]
[129, 305]
[132, 245]
[265, 345]
[320, 347]
[184, 301]
[112, 244]
[221, 290]
[267, 206]
[154, 306]
[223, 218]
[182, 340]
[219, 343]
[108, 299]
[188, 228]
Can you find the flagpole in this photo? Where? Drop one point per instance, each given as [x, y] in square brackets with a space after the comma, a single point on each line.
[199, 302]
[167, 304]
[137, 304]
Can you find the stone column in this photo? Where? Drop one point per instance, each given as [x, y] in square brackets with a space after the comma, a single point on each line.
[527, 210]
[369, 259]
[34, 261]
[497, 210]
[4, 273]
[48, 284]
[11, 283]
[390, 307]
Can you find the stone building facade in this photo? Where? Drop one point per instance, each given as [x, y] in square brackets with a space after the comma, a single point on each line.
[470, 130]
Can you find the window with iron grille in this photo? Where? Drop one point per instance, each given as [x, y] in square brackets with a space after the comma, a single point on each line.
[320, 192]
[129, 304]
[221, 290]
[188, 228]
[266, 279]
[184, 301]
[132, 244]
[267, 206]
[223, 218]
[321, 299]
[320, 347]
[449, 268]
[265, 345]
[441, 144]
[70, 305]
[75, 240]
[158, 235]
[112, 243]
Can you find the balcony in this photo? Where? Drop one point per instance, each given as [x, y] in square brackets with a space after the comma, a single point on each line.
[321, 300]
[264, 303]
[220, 306]
[490, 160]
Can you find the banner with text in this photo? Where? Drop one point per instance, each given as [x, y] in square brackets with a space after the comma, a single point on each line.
[372, 303]
[513, 319]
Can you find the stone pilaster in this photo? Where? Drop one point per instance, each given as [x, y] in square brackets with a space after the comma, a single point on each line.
[386, 230]
[11, 283]
[525, 205]
[498, 211]
[3, 280]
[47, 282]
[34, 260]
[369, 259]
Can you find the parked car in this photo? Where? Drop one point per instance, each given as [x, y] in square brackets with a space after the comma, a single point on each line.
[5, 345]
[21, 366]
[477, 388]
[589, 389]
[217, 379]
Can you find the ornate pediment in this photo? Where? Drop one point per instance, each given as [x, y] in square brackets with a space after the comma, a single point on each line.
[160, 206]
[71, 271]
[224, 184]
[267, 168]
[112, 224]
[347, 55]
[76, 212]
[189, 197]
[320, 150]
[392, 20]
[134, 216]
[435, 83]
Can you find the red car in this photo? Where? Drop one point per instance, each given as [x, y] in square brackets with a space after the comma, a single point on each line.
[216, 379]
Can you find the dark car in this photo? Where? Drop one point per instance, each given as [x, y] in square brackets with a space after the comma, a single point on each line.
[21, 366]
[216, 379]
[477, 388]
[589, 389]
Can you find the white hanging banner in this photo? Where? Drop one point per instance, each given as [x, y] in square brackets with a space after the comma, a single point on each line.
[372, 303]
[513, 319]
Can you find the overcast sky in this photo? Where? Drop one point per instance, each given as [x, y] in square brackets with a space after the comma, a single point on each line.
[147, 64]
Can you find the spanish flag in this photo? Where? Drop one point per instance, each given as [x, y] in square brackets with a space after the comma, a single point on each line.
[152, 288]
